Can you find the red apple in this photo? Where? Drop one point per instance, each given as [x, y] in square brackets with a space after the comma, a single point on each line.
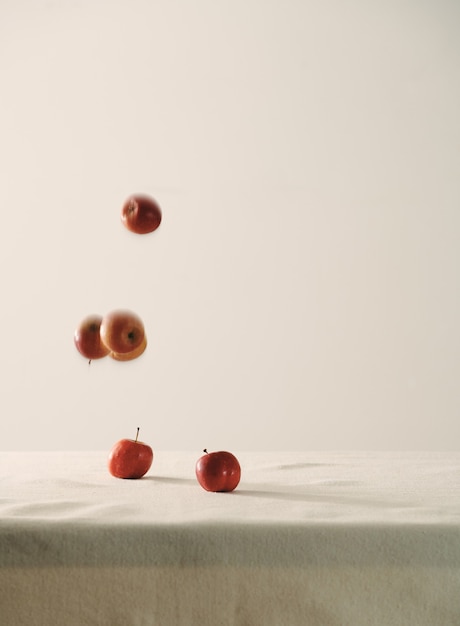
[218, 471]
[141, 214]
[129, 356]
[122, 331]
[130, 458]
[87, 338]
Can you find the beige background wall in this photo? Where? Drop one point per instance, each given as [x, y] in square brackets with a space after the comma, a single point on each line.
[303, 290]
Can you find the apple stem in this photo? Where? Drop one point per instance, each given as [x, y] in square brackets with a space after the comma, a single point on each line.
[137, 434]
[89, 362]
[205, 451]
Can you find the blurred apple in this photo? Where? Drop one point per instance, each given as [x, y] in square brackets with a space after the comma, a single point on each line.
[122, 331]
[87, 338]
[130, 458]
[218, 471]
[129, 356]
[141, 214]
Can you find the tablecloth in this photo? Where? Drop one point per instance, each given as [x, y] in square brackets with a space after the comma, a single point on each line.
[307, 538]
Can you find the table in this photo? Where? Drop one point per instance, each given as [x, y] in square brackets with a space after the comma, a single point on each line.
[308, 538]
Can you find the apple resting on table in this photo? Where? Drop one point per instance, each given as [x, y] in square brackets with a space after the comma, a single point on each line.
[141, 214]
[218, 471]
[87, 338]
[130, 458]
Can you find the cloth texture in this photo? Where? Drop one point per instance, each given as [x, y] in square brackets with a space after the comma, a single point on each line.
[307, 538]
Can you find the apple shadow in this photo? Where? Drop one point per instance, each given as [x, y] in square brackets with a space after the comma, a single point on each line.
[170, 480]
[311, 497]
[304, 465]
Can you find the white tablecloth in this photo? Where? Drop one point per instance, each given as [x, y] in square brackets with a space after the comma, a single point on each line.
[313, 538]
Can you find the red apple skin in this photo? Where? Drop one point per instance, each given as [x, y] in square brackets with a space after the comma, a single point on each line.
[130, 356]
[218, 471]
[87, 338]
[130, 459]
[122, 331]
[141, 214]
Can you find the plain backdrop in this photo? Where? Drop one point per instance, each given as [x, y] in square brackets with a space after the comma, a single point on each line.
[303, 289]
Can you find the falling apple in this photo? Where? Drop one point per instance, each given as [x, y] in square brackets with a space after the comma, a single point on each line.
[87, 338]
[218, 471]
[141, 214]
[122, 331]
[130, 458]
[130, 356]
